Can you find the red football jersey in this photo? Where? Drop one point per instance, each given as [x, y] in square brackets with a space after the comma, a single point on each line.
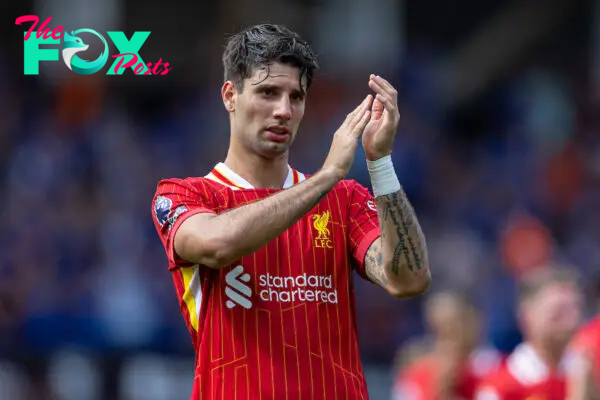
[524, 376]
[419, 380]
[587, 340]
[279, 323]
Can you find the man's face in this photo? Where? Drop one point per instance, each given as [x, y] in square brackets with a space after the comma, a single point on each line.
[554, 313]
[269, 109]
[456, 324]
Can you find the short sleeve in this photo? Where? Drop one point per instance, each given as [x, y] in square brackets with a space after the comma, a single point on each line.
[363, 224]
[175, 201]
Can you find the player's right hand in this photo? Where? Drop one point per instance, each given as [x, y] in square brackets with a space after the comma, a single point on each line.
[343, 147]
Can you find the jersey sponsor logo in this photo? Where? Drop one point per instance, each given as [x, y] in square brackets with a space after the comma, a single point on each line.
[280, 289]
[320, 223]
[304, 287]
[371, 205]
[236, 288]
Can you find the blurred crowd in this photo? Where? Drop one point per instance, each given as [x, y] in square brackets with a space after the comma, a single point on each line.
[500, 185]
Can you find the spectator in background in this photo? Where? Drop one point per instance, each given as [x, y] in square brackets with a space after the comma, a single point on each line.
[584, 357]
[454, 364]
[549, 313]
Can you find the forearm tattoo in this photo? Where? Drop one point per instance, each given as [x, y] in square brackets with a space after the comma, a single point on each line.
[374, 258]
[397, 217]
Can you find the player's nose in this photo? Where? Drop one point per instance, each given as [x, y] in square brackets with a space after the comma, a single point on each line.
[283, 109]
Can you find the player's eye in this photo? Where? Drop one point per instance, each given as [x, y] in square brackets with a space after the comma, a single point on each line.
[268, 92]
[297, 96]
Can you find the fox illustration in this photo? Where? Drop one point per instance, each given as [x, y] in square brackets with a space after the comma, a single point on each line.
[73, 45]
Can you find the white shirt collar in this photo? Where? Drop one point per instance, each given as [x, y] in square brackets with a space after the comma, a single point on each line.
[527, 367]
[236, 182]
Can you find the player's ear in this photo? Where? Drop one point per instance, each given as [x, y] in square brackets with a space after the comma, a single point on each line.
[228, 93]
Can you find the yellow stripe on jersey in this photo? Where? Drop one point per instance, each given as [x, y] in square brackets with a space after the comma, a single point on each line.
[188, 295]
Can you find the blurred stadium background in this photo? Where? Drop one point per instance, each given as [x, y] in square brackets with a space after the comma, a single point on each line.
[499, 151]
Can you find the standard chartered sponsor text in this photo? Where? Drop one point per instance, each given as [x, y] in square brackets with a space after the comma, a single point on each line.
[317, 288]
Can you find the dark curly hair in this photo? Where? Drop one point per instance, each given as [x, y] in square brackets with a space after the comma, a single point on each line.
[260, 45]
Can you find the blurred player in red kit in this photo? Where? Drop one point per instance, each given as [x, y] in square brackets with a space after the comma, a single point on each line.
[584, 358]
[456, 362]
[549, 313]
[262, 255]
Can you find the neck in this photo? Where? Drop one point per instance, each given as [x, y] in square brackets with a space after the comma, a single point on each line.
[458, 351]
[260, 172]
[550, 354]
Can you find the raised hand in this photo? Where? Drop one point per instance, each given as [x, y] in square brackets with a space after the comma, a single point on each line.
[379, 134]
[345, 139]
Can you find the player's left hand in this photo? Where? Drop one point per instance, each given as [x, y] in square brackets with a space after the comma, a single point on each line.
[378, 136]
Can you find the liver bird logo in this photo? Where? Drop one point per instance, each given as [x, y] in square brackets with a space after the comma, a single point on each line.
[320, 223]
